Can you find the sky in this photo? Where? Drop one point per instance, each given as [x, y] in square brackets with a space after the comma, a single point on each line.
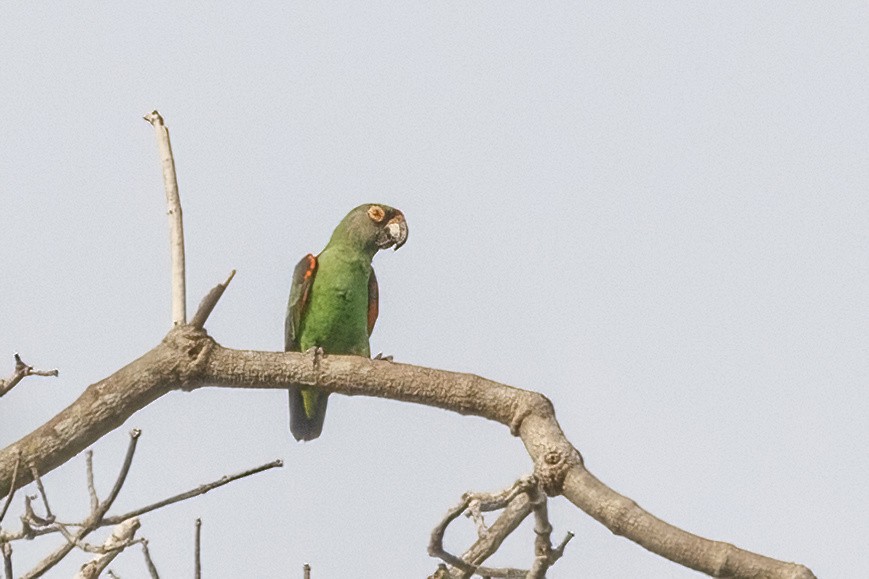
[656, 214]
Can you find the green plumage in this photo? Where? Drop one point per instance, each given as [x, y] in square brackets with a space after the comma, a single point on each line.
[333, 301]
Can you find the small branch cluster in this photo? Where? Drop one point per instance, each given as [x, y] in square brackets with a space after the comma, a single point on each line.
[22, 371]
[125, 525]
[517, 502]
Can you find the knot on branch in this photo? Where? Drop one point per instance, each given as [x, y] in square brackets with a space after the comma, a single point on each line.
[193, 347]
[553, 466]
[530, 403]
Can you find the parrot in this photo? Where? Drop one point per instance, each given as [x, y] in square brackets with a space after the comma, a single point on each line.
[333, 302]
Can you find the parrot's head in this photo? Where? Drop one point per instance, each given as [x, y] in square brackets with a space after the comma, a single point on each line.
[373, 226]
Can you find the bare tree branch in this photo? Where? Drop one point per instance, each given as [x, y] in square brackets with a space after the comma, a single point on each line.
[94, 518]
[7, 560]
[92, 489]
[149, 563]
[176, 225]
[21, 371]
[200, 490]
[206, 306]
[197, 552]
[517, 501]
[48, 516]
[188, 358]
[490, 541]
[12, 488]
[121, 537]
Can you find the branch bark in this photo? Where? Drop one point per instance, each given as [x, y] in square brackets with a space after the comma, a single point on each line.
[188, 358]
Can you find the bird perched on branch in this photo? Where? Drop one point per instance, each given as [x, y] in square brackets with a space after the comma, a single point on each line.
[333, 301]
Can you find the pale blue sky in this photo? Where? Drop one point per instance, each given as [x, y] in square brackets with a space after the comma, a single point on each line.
[654, 213]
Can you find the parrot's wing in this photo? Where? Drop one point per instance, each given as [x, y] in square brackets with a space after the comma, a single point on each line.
[300, 293]
[373, 301]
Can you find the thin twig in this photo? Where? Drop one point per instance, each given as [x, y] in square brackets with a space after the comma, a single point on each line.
[149, 563]
[122, 475]
[436, 541]
[44, 528]
[35, 473]
[517, 501]
[11, 488]
[200, 490]
[209, 301]
[92, 490]
[7, 560]
[542, 532]
[94, 520]
[176, 225]
[197, 553]
[21, 371]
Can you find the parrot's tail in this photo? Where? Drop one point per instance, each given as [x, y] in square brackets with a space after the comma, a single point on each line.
[307, 423]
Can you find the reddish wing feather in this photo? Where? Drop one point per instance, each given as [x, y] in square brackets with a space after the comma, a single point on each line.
[373, 301]
[300, 293]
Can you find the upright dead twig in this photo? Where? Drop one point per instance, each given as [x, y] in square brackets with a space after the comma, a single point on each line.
[176, 225]
[197, 552]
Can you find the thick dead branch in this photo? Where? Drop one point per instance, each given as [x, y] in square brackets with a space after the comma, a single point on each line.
[176, 225]
[22, 371]
[188, 358]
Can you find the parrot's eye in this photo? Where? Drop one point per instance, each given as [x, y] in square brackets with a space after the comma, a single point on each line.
[376, 213]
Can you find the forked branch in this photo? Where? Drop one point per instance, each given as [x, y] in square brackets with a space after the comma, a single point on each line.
[22, 371]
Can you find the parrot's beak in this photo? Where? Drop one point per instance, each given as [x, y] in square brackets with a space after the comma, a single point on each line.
[394, 232]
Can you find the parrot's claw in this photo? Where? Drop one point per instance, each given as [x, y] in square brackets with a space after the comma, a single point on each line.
[380, 356]
[316, 353]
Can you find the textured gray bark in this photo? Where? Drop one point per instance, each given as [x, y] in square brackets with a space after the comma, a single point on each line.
[188, 358]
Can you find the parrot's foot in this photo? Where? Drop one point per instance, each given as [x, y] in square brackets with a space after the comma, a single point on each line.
[380, 356]
[316, 353]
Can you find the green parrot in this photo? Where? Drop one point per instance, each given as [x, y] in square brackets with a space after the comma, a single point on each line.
[333, 301]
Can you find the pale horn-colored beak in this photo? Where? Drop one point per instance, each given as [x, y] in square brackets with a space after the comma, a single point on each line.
[396, 231]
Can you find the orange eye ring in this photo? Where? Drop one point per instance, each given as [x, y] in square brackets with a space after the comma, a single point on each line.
[376, 213]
